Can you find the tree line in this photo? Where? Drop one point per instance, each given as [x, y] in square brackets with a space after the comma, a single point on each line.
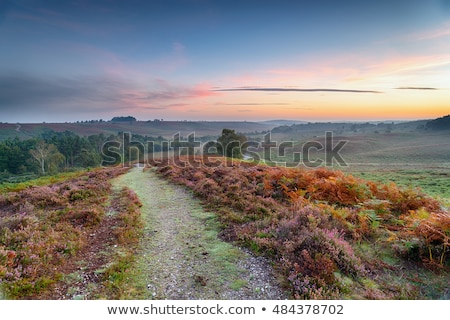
[49, 153]
[54, 152]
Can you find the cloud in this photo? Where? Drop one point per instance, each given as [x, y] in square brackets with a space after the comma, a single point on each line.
[24, 96]
[171, 61]
[295, 90]
[167, 106]
[30, 95]
[442, 31]
[24, 91]
[167, 91]
[253, 104]
[416, 88]
[437, 32]
[403, 64]
[378, 68]
[176, 105]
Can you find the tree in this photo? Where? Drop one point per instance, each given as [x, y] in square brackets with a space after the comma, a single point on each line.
[15, 154]
[47, 155]
[88, 158]
[229, 144]
[129, 119]
[68, 143]
[4, 151]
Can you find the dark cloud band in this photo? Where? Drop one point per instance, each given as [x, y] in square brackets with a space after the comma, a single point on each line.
[416, 88]
[296, 90]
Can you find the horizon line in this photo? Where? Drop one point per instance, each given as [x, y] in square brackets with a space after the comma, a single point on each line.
[221, 120]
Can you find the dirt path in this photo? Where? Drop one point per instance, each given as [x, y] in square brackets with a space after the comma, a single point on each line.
[181, 256]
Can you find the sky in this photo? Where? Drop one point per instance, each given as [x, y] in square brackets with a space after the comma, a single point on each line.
[76, 60]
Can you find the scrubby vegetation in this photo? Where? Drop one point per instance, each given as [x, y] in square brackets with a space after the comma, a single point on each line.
[330, 235]
[44, 228]
[117, 276]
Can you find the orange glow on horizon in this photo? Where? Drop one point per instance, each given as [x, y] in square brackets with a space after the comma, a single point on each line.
[321, 106]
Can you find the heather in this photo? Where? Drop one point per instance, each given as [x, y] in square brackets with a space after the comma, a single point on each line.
[329, 234]
[44, 228]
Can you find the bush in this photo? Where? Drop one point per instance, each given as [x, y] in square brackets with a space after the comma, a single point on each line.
[43, 228]
[308, 221]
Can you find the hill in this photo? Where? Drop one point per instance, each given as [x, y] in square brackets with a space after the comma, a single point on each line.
[282, 122]
[350, 127]
[387, 149]
[165, 129]
[439, 123]
[380, 144]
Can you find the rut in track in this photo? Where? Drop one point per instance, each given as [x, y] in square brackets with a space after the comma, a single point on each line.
[181, 256]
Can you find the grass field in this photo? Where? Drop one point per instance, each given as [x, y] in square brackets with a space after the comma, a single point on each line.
[433, 181]
[412, 159]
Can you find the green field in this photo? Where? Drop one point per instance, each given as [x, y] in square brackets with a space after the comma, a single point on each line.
[409, 158]
[433, 181]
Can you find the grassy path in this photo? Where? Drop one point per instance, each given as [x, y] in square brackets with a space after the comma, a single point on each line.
[181, 256]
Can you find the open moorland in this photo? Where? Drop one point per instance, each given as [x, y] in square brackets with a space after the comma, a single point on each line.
[330, 235]
[372, 222]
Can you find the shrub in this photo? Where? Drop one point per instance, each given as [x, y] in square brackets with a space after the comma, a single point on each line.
[87, 217]
[309, 220]
[43, 227]
[130, 225]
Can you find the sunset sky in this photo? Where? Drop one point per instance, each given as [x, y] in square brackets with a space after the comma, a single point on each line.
[224, 60]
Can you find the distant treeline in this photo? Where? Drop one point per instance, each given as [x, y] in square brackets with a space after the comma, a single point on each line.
[330, 126]
[124, 119]
[53, 152]
[60, 150]
[442, 123]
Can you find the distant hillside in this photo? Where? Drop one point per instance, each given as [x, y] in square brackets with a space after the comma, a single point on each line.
[165, 129]
[439, 123]
[355, 127]
[282, 122]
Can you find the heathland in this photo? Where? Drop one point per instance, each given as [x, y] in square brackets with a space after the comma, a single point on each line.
[304, 211]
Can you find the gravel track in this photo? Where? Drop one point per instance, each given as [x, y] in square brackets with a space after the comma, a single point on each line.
[181, 256]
